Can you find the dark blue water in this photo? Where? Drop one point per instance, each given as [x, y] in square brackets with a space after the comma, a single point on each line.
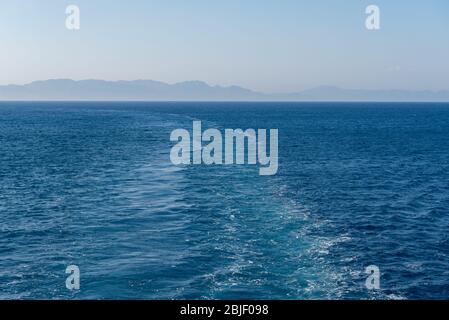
[91, 184]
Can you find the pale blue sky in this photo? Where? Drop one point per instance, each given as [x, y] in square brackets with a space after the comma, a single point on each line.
[266, 45]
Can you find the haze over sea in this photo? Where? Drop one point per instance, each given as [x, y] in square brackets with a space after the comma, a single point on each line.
[91, 184]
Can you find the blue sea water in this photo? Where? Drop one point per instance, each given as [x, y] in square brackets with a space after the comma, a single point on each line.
[91, 184]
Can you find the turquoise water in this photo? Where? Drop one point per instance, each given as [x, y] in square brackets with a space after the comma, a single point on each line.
[91, 184]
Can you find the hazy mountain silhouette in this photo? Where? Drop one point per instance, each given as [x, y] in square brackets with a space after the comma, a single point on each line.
[66, 89]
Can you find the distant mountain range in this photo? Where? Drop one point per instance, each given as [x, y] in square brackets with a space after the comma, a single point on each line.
[149, 90]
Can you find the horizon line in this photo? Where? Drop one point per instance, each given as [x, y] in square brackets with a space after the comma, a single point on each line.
[233, 101]
[328, 86]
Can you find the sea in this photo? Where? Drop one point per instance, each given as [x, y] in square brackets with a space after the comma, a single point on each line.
[91, 184]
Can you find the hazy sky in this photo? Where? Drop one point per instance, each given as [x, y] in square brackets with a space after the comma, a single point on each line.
[266, 45]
